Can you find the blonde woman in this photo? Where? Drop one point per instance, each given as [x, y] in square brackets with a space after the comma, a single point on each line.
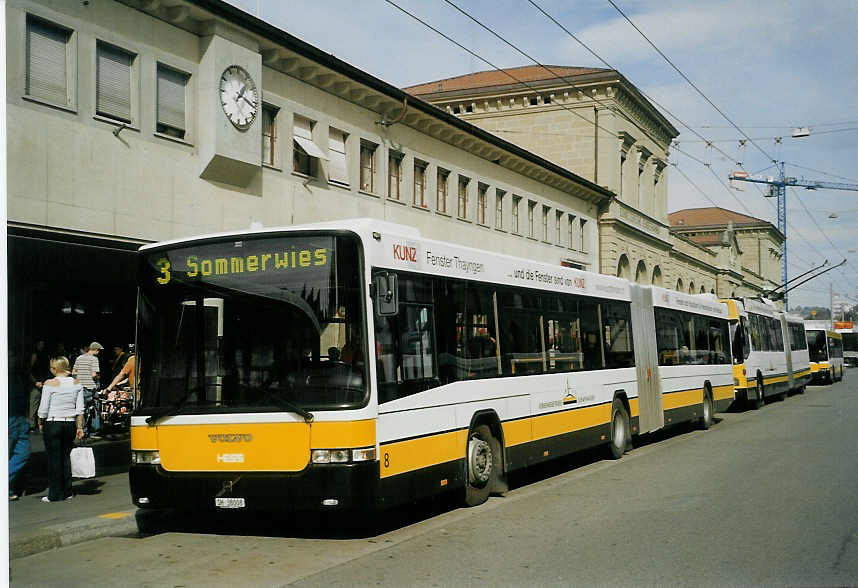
[61, 421]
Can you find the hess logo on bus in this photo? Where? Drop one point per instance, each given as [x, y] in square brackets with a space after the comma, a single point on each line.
[405, 252]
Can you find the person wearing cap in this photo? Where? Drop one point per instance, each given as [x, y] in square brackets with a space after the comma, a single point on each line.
[86, 370]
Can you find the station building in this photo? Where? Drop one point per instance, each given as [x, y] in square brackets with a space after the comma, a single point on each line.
[596, 122]
[125, 127]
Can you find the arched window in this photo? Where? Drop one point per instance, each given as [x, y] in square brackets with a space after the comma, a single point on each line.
[691, 287]
[623, 268]
[679, 285]
[641, 275]
[656, 276]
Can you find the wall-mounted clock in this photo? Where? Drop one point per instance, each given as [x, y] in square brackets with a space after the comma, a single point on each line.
[239, 96]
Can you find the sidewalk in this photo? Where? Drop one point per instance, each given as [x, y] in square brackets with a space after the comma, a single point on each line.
[101, 506]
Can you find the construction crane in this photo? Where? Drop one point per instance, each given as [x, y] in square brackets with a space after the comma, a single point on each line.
[778, 188]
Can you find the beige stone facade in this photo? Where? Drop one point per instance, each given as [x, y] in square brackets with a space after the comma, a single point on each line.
[596, 123]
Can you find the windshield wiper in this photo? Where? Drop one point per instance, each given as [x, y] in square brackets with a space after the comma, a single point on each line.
[153, 419]
[288, 406]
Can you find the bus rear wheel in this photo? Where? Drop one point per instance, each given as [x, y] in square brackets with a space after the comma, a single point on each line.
[708, 409]
[619, 430]
[483, 462]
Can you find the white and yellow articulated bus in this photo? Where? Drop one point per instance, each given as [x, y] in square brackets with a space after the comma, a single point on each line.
[825, 347]
[354, 364]
[761, 368]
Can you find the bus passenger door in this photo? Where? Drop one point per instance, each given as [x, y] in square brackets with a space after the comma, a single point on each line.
[646, 361]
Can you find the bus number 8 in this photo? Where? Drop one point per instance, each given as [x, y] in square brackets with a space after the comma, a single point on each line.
[387, 460]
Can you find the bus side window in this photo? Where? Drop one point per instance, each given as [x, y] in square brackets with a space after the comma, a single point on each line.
[591, 340]
[619, 349]
[405, 342]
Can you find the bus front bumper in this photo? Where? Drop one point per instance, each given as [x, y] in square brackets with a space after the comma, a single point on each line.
[318, 487]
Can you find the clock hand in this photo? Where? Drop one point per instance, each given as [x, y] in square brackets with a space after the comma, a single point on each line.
[246, 100]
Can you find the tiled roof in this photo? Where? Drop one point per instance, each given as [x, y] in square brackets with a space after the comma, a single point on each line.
[487, 79]
[706, 217]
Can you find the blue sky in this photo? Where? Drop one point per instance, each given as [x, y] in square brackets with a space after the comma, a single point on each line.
[769, 65]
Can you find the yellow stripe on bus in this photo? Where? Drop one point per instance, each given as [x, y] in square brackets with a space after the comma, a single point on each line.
[684, 398]
[776, 380]
[414, 454]
[558, 423]
[722, 392]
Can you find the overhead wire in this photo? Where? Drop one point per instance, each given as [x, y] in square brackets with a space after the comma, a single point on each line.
[816, 171]
[554, 74]
[692, 84]
[490, 64]
[712, 104]
[680, 121]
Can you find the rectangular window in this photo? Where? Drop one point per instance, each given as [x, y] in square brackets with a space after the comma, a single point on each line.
[619, 349]
[269, 135]
[482, 196]
[546, 211]
[394, 174]
[48, 62]
[573, 225]
[302, 131]
[113, 82]
[305, 153]
[558, 227]
[531, 222]
[499, 195]
[367, 166]
[516, 202]
[522, 344]
[405, 343]
[338, 171]
[172, 98]
[420, 183]
[583, 235]
[443, 176]
[463, 197]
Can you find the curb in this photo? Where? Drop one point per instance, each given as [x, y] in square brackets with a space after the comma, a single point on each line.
[62, 535]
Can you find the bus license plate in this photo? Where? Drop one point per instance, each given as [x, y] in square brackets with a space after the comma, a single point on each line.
[229, 502]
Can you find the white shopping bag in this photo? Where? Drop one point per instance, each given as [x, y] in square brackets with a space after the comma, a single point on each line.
[82, 462]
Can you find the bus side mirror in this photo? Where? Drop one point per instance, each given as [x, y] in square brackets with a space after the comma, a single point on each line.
[386, 294]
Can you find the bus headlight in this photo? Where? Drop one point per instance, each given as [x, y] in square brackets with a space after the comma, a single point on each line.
[363, 454]
[343, 455]
[145, 457]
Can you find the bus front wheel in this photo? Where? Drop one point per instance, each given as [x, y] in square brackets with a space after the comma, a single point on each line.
[484, 465]
[759, 401]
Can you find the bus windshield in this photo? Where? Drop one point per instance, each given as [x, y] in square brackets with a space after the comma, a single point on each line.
[261, 324]
[816, 346]
[850, 341]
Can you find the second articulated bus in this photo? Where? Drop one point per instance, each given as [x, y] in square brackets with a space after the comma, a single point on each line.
[355, 364]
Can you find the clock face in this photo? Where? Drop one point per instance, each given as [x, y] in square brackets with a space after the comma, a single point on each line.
[239, 96]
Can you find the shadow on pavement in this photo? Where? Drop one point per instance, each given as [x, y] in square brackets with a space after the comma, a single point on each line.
[361, 525]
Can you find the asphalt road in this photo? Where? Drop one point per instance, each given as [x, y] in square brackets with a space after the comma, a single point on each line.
[765, 497]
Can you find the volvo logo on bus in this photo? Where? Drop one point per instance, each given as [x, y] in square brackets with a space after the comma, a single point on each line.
[231, 438]
[405, 253]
